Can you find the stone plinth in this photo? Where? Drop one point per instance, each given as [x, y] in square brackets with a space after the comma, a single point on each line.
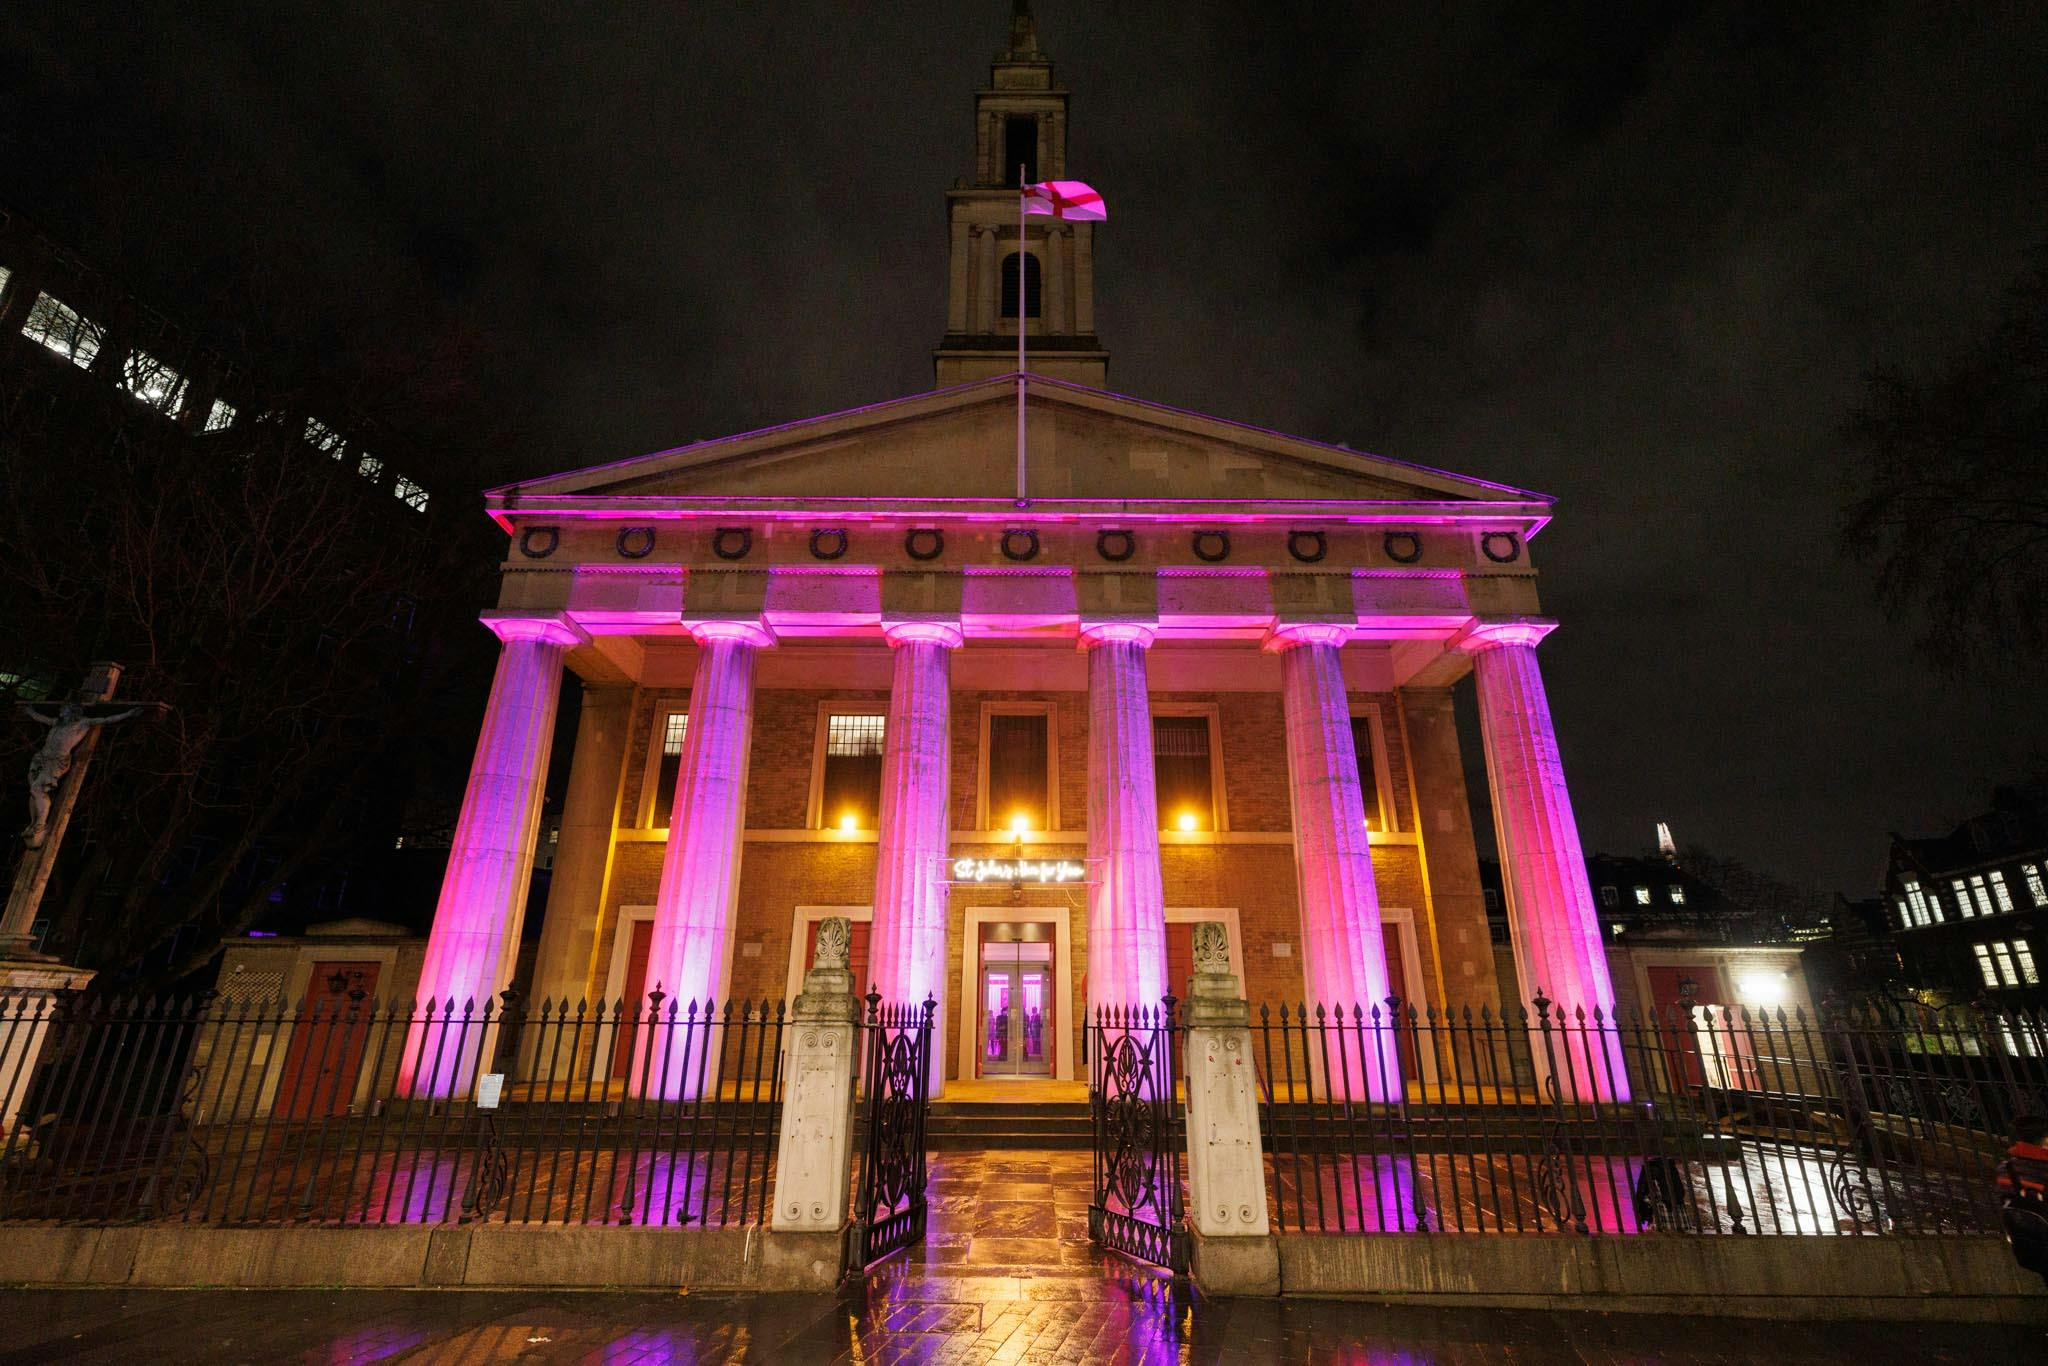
[1126, 900]
[1234, 1249]
[814, 1154]
[29, 990]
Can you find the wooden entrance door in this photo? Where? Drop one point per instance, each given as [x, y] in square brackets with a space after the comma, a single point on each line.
[326, 1051]
[632, 1002]
[1712, 1051]
[1399, 974]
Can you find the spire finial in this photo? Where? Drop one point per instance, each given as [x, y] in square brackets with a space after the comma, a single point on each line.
[1023, 32]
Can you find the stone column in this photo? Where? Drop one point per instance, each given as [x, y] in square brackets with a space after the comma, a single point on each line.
[690, 954]
[1551, 918]
[583, 854]
[1343, 955]
[907, 944]
[814, 1156]
[475, 937]
[1126, 902]
[1234, 1249]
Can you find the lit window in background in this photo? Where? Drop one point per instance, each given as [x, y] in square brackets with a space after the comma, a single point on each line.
[1962, 892]
[410, 494]
[322, 437]
[1181, 772]
[221, 416]
[1642, 896]
[1998, 890]
[1984, 965]
[2025, 957]
[673, 728]
[369, 466]
[2036, 888]
[1983, 897]
[1677, 895]
[60, 328]
[155, 383]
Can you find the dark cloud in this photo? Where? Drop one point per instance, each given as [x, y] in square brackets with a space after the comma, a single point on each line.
[1637, 260]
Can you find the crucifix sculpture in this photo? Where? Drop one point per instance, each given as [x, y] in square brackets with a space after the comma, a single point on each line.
[54, 775]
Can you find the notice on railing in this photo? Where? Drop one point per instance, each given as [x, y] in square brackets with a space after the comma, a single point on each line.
[489, 1087]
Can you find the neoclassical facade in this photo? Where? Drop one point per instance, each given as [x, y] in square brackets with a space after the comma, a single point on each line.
[1024, 716]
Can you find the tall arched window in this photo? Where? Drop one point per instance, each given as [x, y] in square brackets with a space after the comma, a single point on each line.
[1030, 286]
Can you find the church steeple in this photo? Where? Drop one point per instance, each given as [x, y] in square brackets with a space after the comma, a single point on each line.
[1020, 120]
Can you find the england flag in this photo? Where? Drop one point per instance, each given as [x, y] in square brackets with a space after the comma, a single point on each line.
[1072, 199]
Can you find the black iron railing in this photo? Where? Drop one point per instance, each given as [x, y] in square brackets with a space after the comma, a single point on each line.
[345, 1110]
[1699, 1120]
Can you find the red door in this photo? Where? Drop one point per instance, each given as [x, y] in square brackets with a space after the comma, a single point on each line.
[1397, 987]
[1715, 1047]
[1180, 958]
[632, 999]
[326, 1052]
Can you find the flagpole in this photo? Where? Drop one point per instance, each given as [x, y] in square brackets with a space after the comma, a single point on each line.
[1020, 335]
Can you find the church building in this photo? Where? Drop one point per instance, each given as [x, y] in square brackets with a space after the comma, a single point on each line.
[1026, 713]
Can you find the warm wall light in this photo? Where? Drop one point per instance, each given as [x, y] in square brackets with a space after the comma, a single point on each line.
[849, 822]
[1019, 824]
[1186, 821]
[1761, 988]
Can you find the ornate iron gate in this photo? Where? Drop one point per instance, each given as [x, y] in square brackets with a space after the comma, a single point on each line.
[1133, 1077]
[889, 1209]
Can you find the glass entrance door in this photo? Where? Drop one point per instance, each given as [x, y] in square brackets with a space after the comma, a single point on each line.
[1016, 1017]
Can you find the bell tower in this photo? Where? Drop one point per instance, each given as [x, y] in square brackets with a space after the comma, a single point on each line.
[1020, 119]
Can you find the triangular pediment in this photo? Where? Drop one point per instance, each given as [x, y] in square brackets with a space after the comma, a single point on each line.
[960, 443]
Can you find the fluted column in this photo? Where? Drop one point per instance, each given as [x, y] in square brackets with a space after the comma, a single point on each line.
[483, 893]
[1343, 954]
[907, 942]
[689, 956]
[1551, 917]
[1126, 902]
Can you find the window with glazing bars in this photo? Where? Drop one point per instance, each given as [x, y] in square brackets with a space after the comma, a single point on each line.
[63, 329]
[1999, 891]
[1180, 761]
[2036, 887]
[850, 791]
[673, 728]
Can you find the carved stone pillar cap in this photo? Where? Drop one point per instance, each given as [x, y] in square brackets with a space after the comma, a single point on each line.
[1492, 634]
[1138, 633]
[551, 630]
[1285, 635]
[745, 632]
[946, 633]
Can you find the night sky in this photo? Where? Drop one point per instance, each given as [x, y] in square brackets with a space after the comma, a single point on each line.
[1641, 263]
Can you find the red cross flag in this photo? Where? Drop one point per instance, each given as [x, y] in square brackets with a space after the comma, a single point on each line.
[1072, 199]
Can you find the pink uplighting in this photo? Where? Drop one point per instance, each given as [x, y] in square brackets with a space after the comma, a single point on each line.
[1343, 953]
[687, 957]
[907, 944]
[1555, 928]
[1126, 903]
[483, 894]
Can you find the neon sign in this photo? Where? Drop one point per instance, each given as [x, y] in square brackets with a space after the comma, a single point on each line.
[1017, 870]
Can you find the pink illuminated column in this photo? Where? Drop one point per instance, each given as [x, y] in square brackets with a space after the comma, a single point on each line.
[483, 893]
[1343, 954]
[907, 947]
[1126, 902]
[1555, 929]
[689, 955]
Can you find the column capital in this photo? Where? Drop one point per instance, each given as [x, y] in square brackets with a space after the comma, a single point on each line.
[549, 630]
[1491, 633]
[1138, 633]
[946, 633]
[754, 632]
[1285, 635]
